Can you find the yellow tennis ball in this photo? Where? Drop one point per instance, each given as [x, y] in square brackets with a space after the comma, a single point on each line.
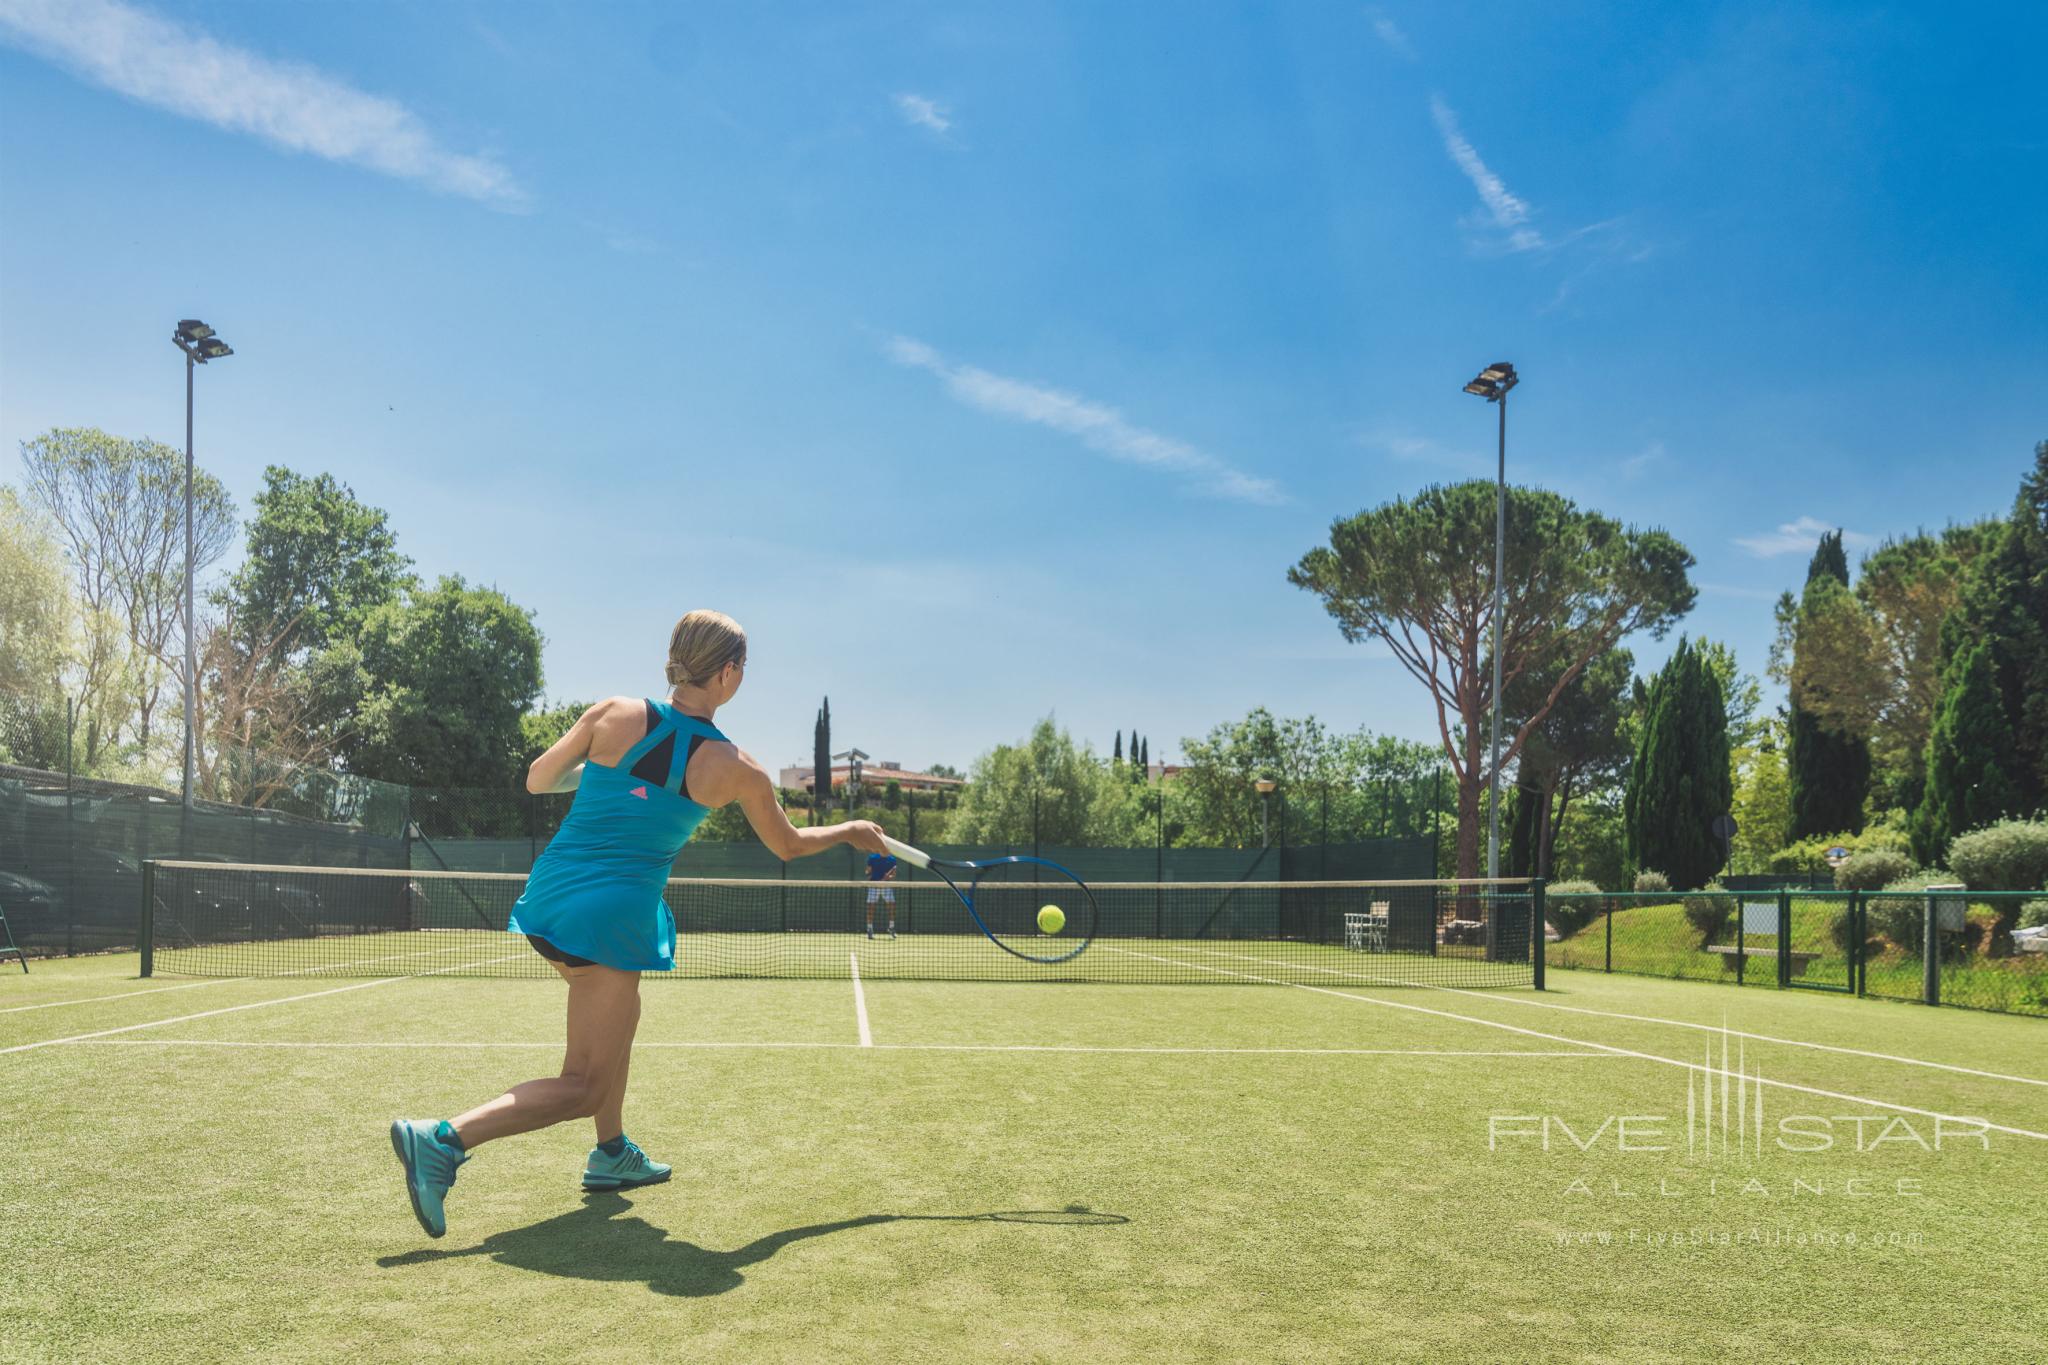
[1051, 919]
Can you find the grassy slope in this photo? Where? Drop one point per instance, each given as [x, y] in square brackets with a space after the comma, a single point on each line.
[178, 1203]
[1656, 940]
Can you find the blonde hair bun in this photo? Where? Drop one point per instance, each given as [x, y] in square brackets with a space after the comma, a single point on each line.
[703, 643]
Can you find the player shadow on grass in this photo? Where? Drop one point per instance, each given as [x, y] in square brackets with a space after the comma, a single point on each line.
[589, 1243]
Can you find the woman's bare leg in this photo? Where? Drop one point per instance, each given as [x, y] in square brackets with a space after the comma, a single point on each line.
[610, 1114]
[604, 1006]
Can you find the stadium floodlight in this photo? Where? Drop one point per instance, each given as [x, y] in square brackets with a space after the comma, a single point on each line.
[1265, 786]
[200, 344]
[1492, 384]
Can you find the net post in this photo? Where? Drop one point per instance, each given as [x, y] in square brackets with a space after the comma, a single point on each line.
[145, 928]
[1607, 908]
[1784, 939]
[1930, 952]
[1859, 909]
[1536, 929]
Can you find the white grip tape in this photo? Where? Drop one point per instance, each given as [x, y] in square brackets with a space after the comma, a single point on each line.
[905, 853]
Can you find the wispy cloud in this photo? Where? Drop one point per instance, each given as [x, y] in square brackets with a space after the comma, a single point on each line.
[1411, 449]
[1391, 34]
[164, 64]
[1636, 465]
[1506, 210]
[921, 112]
[1096, 425]
[1797, 537]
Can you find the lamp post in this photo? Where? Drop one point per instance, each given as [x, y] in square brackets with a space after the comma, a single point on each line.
[1265, 786]
[200, 345]
[1493, 384]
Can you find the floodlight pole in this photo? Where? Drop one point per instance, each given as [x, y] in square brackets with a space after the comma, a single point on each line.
[1500, 540]
[199, 344]
[1493, 384]
[191, 708]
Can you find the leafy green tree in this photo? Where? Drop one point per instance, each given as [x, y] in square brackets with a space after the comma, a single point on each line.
[447, 676]
[37, 616]
[1049, 787]
[539, 730]
[1763, 799]
[119, 509]
[1418, 576]
[1678, 782]
[1743, 693]
[1367, 784]
[38, 628]
[1581, 744]
[319, 561]
[1971, 762]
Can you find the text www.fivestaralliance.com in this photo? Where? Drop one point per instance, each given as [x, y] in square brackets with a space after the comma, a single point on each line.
[1745, 1237]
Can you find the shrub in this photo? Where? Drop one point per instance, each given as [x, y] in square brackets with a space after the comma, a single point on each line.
[1899, 917]
[1570, 916]
[1872, 869]
[2034, 914]
[2011, 855]
[1808, 857]
[1707, 911]
[1921, 880]
[1651, 880]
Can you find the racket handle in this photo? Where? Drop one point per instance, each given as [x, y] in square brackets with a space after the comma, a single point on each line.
[905, 853]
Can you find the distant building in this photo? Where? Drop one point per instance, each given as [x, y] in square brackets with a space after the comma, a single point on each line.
[873, 776]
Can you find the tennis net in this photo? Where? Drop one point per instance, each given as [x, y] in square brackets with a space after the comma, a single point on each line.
[215, 919]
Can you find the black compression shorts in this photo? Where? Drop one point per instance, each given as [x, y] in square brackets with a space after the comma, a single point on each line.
[554, 954]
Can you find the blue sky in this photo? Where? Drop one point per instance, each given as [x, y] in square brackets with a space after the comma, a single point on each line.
[994, 361]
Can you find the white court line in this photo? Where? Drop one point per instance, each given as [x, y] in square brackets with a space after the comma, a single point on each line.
[860, 1004]
[217, 981]
[879, 1047]
[1672, 1023]
[119, 995]
[252, 1005]
[1582, 1042]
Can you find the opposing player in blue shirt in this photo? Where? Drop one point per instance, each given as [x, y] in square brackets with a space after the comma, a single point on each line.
[645, 774]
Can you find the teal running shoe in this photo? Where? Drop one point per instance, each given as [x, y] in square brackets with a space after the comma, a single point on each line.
[630, 1168]
[429, 1169]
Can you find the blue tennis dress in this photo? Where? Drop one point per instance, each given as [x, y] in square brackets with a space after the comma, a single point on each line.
[595, 891]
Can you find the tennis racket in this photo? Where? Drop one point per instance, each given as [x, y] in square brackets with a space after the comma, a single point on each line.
[1004, 895]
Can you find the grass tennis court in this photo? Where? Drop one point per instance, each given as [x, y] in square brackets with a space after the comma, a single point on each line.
[1032, 1172]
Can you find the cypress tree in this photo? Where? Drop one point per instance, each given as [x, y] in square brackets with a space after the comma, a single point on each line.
[1145, 756]
[821, 761]
[1829, 558]
[1117, 754]
[1679, 782]
[1828, 772]
[2005, 605]
[1970, 756]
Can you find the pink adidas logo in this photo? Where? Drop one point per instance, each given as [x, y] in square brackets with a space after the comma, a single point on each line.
[640, 792]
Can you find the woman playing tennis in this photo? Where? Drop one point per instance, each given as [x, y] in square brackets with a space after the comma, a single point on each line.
[645, 774]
